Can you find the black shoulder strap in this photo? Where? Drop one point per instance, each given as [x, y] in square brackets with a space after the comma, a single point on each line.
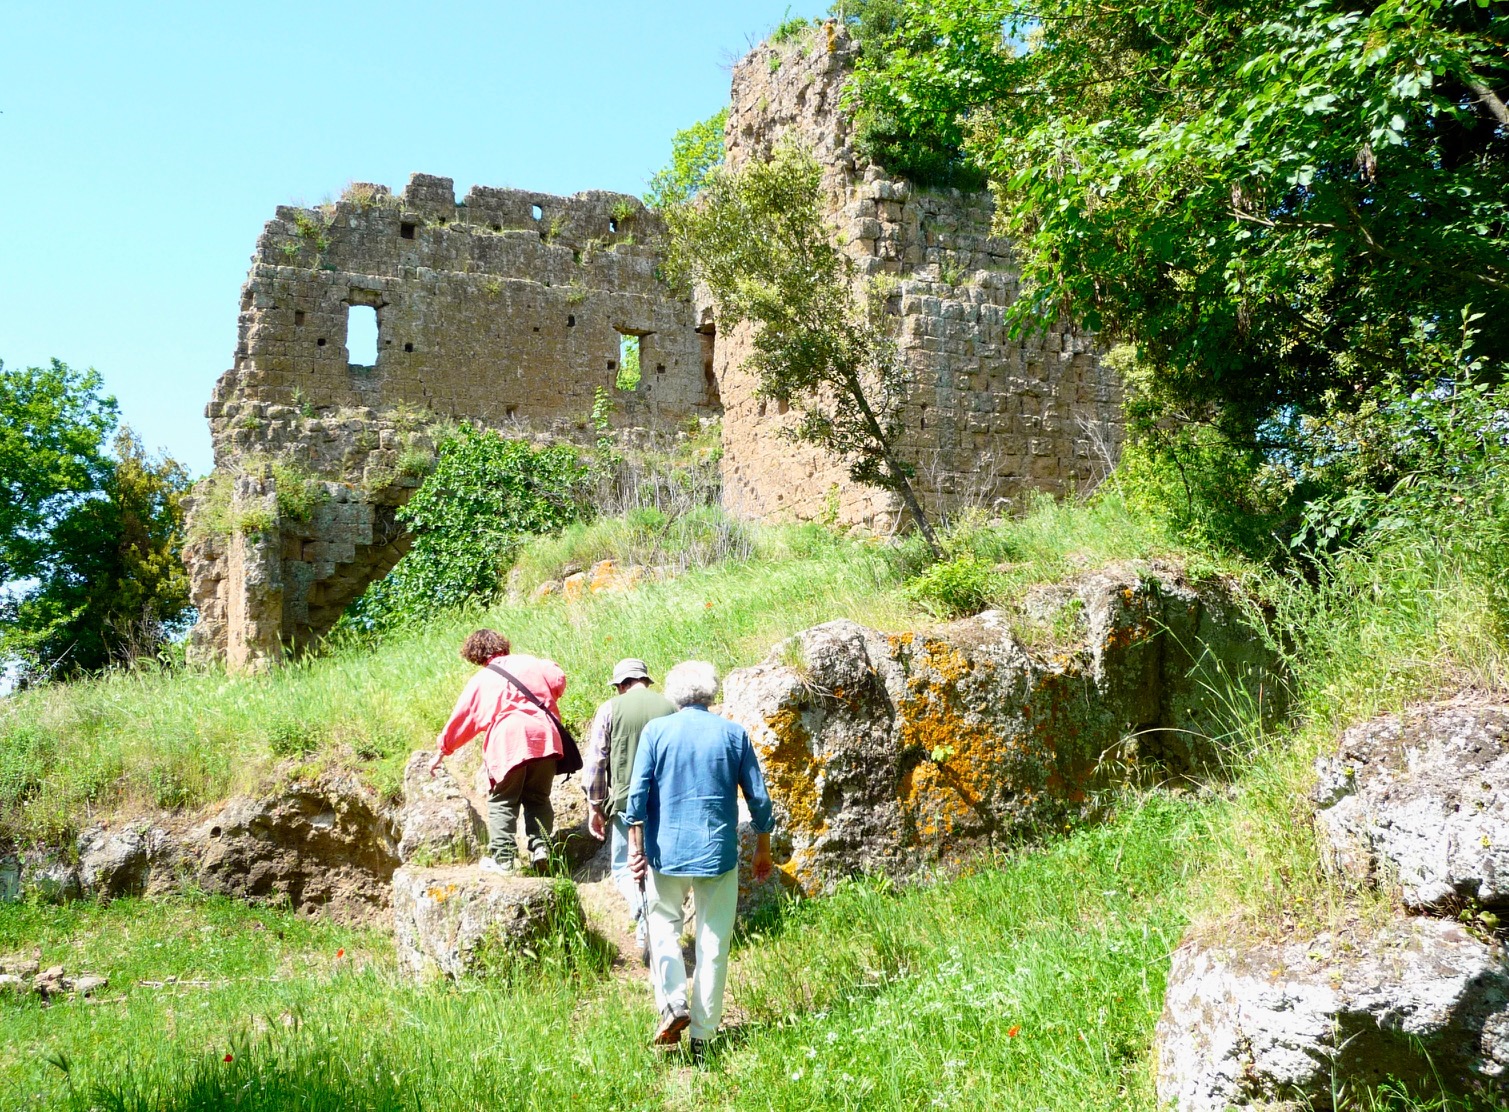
[528, 694]
[571, 760]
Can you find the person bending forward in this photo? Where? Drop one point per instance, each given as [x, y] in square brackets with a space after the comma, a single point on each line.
[683, 818]
[519, 749]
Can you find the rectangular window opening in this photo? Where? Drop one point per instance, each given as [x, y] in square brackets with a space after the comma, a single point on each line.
[628, 363]
[361, 336]
[406, 230]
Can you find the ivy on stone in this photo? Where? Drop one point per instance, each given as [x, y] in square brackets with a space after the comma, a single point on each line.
[485, 497]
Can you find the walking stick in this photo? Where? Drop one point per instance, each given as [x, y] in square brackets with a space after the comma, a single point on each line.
[642, 918]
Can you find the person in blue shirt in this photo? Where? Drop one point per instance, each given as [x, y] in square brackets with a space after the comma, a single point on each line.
[683, 818]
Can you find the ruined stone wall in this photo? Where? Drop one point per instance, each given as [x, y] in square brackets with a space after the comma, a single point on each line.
[989, 416]
[507, 310]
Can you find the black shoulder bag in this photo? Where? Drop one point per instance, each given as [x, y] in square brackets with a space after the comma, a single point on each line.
[571, 756]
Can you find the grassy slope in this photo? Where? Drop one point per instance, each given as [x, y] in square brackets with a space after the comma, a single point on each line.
[186, 738]
[870, 999]
[180, 740]
[1031, 985]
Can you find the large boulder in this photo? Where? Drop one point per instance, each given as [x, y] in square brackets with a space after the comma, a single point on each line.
[437, 823]
[457, 921]
[1424, 1003]
[139, 859]
[887, 753]
[1422, 800]
[325, 845]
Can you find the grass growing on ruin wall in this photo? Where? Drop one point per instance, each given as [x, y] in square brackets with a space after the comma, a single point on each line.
[1032, 983]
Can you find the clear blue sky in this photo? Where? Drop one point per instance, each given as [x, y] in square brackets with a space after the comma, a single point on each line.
[143, 146]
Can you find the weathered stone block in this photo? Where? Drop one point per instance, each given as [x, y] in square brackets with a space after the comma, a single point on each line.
[1246, 1025]
[457, 921]
[1421, 800]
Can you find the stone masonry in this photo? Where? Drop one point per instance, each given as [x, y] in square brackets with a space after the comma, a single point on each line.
[507, 310]
[990, 416]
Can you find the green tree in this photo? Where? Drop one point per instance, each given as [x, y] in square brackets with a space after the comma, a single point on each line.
[110, 583]
[1267, 200]
[694, 153]
[485, 496]
[53, 424]
[822, 339]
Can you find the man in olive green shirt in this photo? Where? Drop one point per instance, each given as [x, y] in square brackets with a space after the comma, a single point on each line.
[611, 746]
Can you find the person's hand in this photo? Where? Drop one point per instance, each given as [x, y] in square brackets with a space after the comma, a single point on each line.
[595, 825]
[763, 864]
[436, 763]
[639, 865]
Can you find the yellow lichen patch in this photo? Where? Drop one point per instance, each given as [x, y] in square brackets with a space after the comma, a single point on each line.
[792, 771]
[946, 791]
[604, 575]
[942, 658]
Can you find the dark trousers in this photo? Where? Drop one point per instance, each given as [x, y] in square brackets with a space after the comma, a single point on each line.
[528, 788]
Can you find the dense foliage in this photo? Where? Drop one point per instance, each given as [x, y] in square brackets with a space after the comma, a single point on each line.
[92, 539]
[53, 425]
[759, 241]
[485, 496]
[695, 151]
[1268, 201]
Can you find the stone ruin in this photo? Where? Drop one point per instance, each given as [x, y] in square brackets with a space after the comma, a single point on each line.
[509, 309]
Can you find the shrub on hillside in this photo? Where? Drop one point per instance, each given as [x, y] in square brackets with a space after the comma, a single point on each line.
[954, 588]
[485, 496]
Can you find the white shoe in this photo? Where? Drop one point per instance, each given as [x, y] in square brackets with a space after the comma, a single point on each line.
[492, 865]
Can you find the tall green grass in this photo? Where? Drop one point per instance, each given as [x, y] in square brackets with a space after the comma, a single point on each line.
[1033, 982]
[1401, 620]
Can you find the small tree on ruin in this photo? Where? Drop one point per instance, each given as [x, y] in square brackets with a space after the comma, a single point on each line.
[823, 340]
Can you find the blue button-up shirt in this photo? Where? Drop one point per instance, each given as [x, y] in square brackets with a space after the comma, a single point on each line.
[688, 772]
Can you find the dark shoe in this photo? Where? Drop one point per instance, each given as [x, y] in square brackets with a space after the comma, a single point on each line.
[699, 1052]
[673, 1020]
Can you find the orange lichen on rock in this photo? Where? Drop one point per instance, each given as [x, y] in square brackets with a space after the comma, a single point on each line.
[946, 792]
[792, 772]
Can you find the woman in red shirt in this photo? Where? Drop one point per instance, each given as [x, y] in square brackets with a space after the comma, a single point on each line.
[520, 745]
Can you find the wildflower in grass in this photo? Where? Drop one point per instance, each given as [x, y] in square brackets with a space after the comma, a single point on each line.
[230, 1057]
[1015, 1030]
[340, 953]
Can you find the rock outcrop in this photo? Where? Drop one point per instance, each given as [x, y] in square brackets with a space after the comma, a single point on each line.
[458, 921]
[887, 753]
[1424, 1003]
[1421, 800]
[1414, 802]
[133, 860]
[437, 824]
[327, 846]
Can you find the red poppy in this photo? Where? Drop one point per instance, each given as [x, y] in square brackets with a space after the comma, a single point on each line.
[1016, 1030]
[230, 1057]
[340, 953]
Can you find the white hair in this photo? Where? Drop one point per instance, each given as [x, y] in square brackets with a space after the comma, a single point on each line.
[691, 681]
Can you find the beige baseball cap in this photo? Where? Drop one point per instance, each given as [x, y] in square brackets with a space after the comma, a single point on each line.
[629, 669]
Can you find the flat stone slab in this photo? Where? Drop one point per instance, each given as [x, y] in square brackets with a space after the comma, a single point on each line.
[454, 921]
[1424, 1003]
